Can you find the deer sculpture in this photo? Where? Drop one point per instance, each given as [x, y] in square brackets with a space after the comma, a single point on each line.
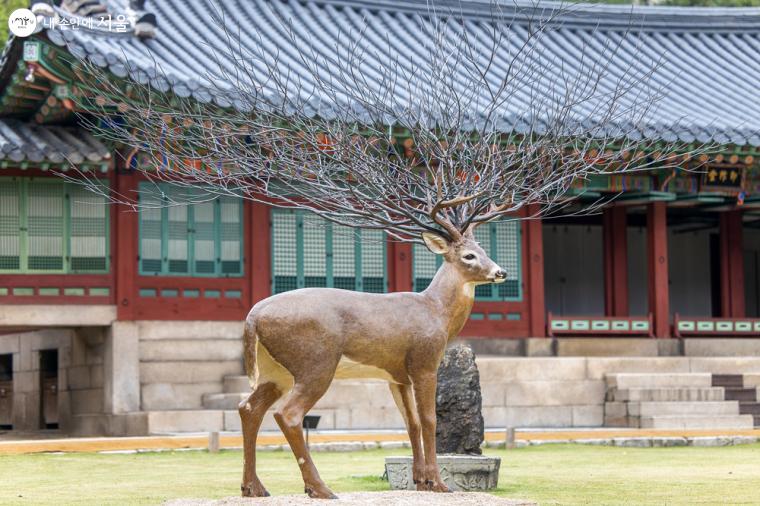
[297, 342]
[490, 127]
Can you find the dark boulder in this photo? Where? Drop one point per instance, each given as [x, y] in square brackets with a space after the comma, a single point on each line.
[458, 403]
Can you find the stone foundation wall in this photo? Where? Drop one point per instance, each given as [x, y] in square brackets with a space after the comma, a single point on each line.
[570, 391]
[181, 361]
[86, 375]
[80, 374]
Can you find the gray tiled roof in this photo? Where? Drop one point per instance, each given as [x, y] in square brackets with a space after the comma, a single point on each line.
[711, 70]
[25, 142]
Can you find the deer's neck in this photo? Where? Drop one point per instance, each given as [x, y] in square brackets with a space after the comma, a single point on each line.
[453, 296]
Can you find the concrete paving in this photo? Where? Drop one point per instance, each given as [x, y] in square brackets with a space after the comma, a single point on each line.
[358, 440]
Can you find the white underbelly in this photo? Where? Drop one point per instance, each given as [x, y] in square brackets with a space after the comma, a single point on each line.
[350, 369]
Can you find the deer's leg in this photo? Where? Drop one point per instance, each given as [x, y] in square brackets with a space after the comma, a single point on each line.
[424, 394]
[404, 397]
[289, 417]
[252, 411]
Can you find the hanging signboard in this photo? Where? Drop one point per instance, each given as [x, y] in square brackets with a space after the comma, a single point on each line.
[726, 179]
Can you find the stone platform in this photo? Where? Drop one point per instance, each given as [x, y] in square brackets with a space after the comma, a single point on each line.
[460, 472]
[392, 498]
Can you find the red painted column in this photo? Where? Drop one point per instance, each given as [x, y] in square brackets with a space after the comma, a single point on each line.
[615, 234]
[126, 253]
[534, 274]
[260, 251]
[399, 266]
[731, 265]
[657, 253]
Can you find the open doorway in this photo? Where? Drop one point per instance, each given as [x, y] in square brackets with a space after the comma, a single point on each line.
[751, 233]
[694, 268]
[49, 389]
[574, 266]
[6, 391]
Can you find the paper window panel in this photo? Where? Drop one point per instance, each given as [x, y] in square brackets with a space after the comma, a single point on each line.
[314, 251]
[89, 230]
[204, 240]
[373, 261]
[45, 218]
[177, 239]
[284, 250]
[231, 235]
[151, 236]
[344, 257]
[10, 225]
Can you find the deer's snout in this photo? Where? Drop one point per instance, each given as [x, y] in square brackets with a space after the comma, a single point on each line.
[498, 276]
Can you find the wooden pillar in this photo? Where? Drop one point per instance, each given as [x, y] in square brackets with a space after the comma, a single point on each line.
[260, 251]
[615, 234]
[399, 266]
[126, 253]
[657, 256]
[731, 265]
[534, 274]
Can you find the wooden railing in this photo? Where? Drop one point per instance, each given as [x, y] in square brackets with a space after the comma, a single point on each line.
[599, 325]
[697, 326]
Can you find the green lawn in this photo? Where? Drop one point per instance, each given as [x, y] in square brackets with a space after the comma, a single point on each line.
[551, 474]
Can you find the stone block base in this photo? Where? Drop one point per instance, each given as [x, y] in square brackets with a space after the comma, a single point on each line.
[459, 472]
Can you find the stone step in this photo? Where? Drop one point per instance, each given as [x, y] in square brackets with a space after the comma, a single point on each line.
[697, 422]
[207, 420]
[667, 394]
[647, 380]
[741, 394]
[728, 380]
[189, 420]
[236, 384]
[346, 393]
[749, 408]
[223, 401]
[751, 380]
[702, 408]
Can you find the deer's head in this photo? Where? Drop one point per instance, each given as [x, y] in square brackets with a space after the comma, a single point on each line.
[465, 254]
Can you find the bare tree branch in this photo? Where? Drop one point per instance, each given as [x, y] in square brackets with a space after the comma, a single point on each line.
[481, 121]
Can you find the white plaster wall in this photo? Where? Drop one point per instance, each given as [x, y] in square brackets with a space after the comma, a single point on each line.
[638, 298]
[689, 272]
[573, 253]
[752, 271]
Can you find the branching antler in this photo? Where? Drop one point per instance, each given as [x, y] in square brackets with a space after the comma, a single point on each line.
[480, 121]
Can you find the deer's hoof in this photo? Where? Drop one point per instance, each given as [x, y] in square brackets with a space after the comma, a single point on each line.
[320, 493]
[436, 486]
[251, 490]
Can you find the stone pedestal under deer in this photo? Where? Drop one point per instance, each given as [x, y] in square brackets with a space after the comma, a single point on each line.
[297, 342]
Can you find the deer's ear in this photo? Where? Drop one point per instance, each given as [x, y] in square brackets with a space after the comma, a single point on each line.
[435, 243]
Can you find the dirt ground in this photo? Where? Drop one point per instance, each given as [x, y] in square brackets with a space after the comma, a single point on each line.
[392, 498]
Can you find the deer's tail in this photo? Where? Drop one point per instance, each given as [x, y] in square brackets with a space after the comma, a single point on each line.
[250, 341]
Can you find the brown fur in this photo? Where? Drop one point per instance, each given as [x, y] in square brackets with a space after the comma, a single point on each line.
[296, 342]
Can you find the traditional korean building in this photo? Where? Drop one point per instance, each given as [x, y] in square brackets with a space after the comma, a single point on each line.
[113, 320]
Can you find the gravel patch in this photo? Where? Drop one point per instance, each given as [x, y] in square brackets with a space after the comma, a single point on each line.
[391, 498]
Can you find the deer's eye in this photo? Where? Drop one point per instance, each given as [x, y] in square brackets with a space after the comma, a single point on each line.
[469, 256]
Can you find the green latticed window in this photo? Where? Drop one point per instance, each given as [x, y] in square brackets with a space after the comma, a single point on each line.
[177, 238]
[308, 251]
[501, 240]
[48, 226]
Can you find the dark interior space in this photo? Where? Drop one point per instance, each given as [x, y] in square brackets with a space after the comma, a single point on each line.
[49, 389]
[6, 392]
